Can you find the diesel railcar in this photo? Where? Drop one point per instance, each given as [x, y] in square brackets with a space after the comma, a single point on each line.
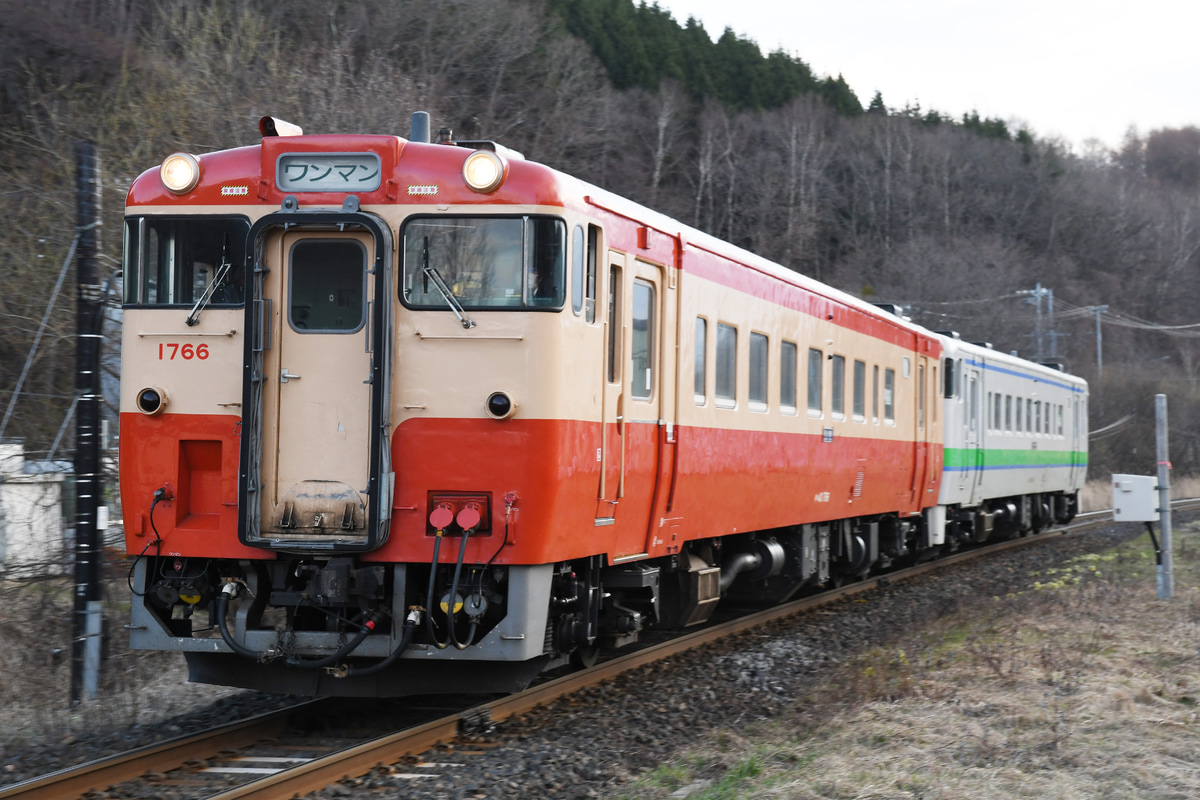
[402, 416]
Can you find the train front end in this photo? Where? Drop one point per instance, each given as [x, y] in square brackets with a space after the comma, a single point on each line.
[341, 390]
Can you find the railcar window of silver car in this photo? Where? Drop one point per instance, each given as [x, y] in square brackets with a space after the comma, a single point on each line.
[787, 377]
[641, 380]
[860, 391]
[701, 379]
[759, 346]
[816, 366]
[726, 365]
[1008, 421]
[837, 387]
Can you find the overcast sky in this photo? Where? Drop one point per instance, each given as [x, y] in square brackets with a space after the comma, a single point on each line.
[1064, 68]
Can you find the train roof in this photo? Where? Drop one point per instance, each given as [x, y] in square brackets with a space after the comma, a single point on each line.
[395, 170]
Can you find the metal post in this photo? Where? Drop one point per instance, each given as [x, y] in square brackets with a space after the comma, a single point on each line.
[1098, 310]
[1166, 569]
[88, 479]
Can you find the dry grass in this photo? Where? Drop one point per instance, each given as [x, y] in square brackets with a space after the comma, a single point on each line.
[1086, 686]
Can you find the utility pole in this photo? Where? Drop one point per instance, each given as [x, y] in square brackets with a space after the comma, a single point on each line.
[1166, 564]
[1098, 310]
[1037, 293]
[89, 315]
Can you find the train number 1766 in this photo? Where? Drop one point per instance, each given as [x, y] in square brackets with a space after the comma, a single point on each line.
[169, 351]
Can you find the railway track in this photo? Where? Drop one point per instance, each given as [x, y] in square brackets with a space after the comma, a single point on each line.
[281, 755]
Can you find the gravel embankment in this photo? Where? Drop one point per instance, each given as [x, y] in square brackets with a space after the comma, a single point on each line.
[591, 743]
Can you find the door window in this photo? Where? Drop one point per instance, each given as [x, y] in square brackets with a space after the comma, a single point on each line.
[641, 382]
[327, 286]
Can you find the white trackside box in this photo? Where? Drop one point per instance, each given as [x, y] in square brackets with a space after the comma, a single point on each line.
[1135, 498]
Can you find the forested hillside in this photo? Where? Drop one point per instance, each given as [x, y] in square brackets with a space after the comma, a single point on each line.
[960, 219]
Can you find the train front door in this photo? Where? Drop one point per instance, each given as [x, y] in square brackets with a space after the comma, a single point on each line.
[633, 401]
[317, 387]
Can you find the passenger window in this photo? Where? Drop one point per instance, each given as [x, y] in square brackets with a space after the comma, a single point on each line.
[641, 382]
[1008, 412]
[589, 300]
[787, 377]
[889, 396]
[701, 390]
[860, 391]
[816, 362]
[758, 372]
[837, 385]
[875, 394]
[577, 258]
[726, 365]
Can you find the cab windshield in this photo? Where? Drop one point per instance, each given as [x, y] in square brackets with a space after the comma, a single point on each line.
[484, 262]
[171, 261]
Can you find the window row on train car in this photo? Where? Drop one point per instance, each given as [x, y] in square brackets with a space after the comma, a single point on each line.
[1007, 413]
[851, 385]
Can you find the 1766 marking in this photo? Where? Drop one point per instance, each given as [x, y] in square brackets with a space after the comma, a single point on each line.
[169, 351]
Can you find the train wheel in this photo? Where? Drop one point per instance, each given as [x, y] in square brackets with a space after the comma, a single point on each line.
[585, 656]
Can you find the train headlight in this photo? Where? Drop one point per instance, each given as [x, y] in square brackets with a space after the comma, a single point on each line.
[151, 400]
[500, 406]
[180, 172]
[483, 171]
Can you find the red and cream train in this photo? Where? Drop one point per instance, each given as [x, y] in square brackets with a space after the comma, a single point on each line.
[401, 417]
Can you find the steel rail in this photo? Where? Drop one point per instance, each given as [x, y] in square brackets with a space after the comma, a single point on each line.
[102, 773]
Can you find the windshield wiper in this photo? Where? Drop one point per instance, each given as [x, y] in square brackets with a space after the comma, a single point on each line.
[223, 270]
[440, 283]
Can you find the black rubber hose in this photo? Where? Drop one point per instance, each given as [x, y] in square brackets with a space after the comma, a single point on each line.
[462, 550]
[342, 652]
[319, 663]
[222, 608]
[405, 639]
[440, 645]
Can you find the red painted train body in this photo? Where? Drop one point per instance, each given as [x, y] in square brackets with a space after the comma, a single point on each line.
[404, 417]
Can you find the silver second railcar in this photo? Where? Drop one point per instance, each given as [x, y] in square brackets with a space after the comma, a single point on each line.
[1015, 452]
